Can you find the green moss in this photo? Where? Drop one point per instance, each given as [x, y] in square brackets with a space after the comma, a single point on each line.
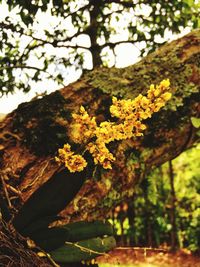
[131, 81]
[115, 82]
[133, 155]
[38, 120]
[113, 197]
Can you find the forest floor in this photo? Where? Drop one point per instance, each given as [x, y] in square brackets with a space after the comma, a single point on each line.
[141, 257]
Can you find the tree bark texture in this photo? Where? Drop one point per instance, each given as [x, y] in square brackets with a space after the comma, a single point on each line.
[31, 135]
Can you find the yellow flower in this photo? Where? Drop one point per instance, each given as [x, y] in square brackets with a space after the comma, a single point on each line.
[101, 154]
[82, 127]
[121, 108]
[130, 114]
[75, 163]
[82, 110]
[145, 102]
[165, 83]
[72, 162]
[166, 96]
[157, 92]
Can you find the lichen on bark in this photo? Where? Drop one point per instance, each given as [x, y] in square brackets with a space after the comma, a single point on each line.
[179, 61]
[42, 123]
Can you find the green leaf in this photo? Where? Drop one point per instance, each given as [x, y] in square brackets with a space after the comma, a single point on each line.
[195, 122]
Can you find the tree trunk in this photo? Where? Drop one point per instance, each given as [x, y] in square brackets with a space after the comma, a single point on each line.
[148, 219]
[92, 31]
[31, 135]
[131, 221]
[174, 238]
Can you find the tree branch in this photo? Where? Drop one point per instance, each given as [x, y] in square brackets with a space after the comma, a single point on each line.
[75, 47]
[112, 45]
[123, 3]
[80, 9]
[22, 67]
[33, 68]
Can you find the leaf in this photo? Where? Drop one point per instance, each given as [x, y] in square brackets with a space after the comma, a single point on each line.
[52, 197]
[195, 122]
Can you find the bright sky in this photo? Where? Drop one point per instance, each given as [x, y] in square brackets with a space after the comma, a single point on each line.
[127, 54]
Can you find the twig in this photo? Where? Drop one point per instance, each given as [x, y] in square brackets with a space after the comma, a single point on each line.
[3, 136]
[14, 190]
[5, 190]
[86, 249]
[38, 176]
[48, 256]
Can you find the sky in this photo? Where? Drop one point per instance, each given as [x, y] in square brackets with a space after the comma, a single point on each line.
[127, 54]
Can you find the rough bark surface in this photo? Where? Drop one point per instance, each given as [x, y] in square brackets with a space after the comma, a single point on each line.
[31, 135]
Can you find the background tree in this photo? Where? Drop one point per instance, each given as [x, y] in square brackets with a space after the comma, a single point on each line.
[80, 31]
[158, 190]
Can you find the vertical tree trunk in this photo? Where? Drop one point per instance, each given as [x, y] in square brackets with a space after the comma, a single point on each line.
[148, 220]
[131, 220]
[174, 239]
[93, 33]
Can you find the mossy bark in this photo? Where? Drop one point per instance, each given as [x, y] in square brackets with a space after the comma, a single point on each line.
[31, 135]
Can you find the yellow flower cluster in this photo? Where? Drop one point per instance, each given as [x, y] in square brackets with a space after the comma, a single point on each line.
[129, 112]
[82, 127]
[101, 154]
[72, 162]
[142, 107]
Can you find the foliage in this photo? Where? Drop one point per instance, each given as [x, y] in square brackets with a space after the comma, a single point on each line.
[187, 169]
[75, 30]
[152, 205]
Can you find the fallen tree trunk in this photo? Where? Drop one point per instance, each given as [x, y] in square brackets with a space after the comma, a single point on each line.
[31, 135]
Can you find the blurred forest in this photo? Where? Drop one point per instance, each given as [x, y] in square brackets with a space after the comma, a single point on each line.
[165, 210]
